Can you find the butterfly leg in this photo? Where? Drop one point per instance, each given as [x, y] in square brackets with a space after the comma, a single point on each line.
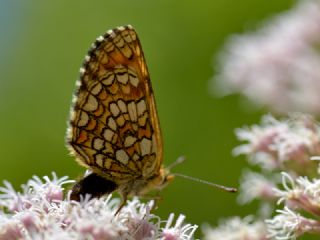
[123, 202]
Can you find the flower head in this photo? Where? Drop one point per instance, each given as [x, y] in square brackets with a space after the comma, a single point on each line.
[256, 186]
[300, 194]
[277, 66]
[41, 212]
[179, 230]
[237, 228]
[289, 224]
[282, 144]
[291, 145]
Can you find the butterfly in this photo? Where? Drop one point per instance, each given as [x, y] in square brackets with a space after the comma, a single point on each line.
[114, 129]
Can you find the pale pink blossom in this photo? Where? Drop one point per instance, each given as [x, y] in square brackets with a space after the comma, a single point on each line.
[278, 65]
[237, 229]
[256, 186]
[289, 224]
[290, 145]
[286, 144]
[300, 194]
[41, 211]
[178, 231]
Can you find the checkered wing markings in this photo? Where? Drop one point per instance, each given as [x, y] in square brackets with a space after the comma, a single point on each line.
[114, 127]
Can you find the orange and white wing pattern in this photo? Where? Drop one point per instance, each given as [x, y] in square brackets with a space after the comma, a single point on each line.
[114, 128]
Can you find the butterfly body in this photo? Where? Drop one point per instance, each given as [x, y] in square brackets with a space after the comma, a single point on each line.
[114, 129]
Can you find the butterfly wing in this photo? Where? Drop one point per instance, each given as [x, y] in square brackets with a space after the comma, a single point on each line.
[114, 128]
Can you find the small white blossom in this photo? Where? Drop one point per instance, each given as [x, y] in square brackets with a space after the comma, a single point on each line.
[179, 230]
[41, 212]
[276, 66]
[293, 146]
[300, 194]
[282, 144]
[237, 229]
[256, 186]
[289, 224]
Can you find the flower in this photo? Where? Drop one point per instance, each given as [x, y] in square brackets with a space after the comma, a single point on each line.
[300, 194]
[256, 186]
[301, 197]
[276, 66]
[289, 224]
[292, 146]
[282, 144]
[237, 228]
[178, 231]
[41, 212]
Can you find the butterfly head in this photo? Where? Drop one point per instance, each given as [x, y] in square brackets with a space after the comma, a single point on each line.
[165, 178]
[157, 182]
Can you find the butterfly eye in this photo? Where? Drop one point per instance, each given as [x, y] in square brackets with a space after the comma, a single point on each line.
[168, 179]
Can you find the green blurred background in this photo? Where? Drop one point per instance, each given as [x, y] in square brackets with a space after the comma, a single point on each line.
[42, 46]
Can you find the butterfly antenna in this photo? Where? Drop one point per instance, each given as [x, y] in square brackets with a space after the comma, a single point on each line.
[179, 160]
[228, 189]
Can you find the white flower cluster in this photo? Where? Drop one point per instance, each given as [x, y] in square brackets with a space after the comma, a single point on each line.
[278, 65]
[40, 211]
[282, 144]
[301, 197]
[237, 229]
[289, 180]
[276, 146]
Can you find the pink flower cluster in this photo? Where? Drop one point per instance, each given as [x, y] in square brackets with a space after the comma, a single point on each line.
[40, 211]
[237, 229]
[287, 153]
[282, 144]
[278, 65]
[301, 212]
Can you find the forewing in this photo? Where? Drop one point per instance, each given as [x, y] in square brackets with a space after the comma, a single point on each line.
[114, 129]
